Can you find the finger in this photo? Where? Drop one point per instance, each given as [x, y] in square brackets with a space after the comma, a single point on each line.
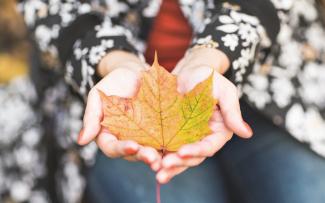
[207, 147]
[165, 175]
[217, 125]
[173, 160]
[227, 95]
[149, 156]
[114, 148]
[131, 158]
[188, 79]
[92, 117]
[179, 66]
[216, 116]
[120, 82]
[146, 155]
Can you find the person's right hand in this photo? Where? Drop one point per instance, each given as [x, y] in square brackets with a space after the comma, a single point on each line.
[121, 81]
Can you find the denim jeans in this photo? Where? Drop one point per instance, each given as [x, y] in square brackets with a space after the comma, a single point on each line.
[271, 167]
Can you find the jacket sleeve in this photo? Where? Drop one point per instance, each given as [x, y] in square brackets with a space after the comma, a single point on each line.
[76, 35]
[239, 28]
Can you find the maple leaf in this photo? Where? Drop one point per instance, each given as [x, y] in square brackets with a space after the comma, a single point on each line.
[158, 115]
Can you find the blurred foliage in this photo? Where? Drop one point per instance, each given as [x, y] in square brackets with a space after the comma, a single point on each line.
[13, 42]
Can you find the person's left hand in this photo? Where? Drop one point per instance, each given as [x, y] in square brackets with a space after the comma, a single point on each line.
[194, 154]
[225, 120]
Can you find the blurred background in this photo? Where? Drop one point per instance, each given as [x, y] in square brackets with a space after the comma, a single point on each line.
[13, 43]
[35, 165]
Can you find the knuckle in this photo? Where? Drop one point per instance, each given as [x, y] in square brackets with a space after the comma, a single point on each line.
[210, 149]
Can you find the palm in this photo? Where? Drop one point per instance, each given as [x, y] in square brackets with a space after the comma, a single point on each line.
[123, 83]
[225, 121]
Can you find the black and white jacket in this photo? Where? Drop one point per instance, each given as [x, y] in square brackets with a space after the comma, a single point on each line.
[275, 48]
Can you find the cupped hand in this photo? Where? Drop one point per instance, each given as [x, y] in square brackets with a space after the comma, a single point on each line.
[123, 82]
[226, 119]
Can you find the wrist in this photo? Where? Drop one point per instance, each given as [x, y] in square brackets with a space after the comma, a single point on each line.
[119, 59]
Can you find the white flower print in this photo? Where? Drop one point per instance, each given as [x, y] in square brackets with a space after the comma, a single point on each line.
[79, 53]
[291, 57]
[226, 19]
[96, 53]
[187, 2]
[238, 77]
[207, 40]
[315, 36]
[241, 17]
[31, 10]
[108, 30]
[312, 80]
[109, 43]
[87, 72]
[66, 13]
[283, 90]
[231, 41]
[204, 40]
[257, 92]
[45, 34]
[306, 126]
[228, 28]
[300, 8]
[294, 122]
[39, 197]
[84, 8]
[73, 183]
[245, 27]
[20, 191]
[198, 16]
[116, 7]
[152, 8]
[248, 34]
[315, 125]
[285, 33]
[241, 64]
[318, 147]
[283, 4]
[245, 57]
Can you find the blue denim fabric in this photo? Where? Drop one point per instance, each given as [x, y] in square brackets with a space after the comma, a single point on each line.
[271, 167]
[119, 181]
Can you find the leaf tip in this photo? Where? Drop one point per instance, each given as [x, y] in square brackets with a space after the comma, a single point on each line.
[155, 62]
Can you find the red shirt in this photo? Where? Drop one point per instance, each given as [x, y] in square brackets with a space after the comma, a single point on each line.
[170, 35]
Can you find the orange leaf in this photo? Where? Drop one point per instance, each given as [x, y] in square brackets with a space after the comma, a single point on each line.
[158, 115]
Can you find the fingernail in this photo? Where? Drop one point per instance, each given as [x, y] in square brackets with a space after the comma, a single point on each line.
[130, 150]
[80, 136]
[183, 153]
[248, 128]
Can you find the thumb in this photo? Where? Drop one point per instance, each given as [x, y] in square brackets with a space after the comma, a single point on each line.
[227, 95]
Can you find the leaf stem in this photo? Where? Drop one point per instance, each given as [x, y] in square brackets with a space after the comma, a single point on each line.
[158, 197]
[158, 200]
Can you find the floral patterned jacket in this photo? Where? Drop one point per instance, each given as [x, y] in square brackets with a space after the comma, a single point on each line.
[276, 48]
